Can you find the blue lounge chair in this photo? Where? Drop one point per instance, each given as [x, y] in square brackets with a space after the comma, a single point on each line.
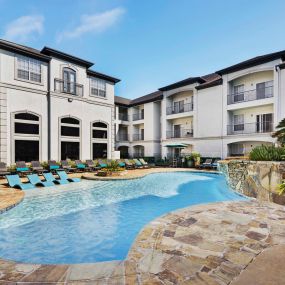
[63, 176]
[49, 177]
[35, 180]
[121, 163]
[215, 163]
[80, 165]
[22, 168]
[102, 164]
[138, 164]
[15, 181]
[207, 163]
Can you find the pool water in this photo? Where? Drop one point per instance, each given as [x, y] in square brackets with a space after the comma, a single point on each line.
[95, 221]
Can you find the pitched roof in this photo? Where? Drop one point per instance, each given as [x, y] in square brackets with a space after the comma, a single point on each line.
[71, 58]
[253, 62]
[102, 76]
[211, 80]
[23, 50]
[152, 97]
[182, 83]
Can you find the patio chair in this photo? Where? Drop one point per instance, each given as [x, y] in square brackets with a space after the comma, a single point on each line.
[22, 168]
[36, 167]
[50, 178]
[66, 166]
[3, 169]
[102, 164]
[144, 163]
[80, 166]
[63, 175]
[121, 163]
[91, 165]
[15, 182]
[214, 165]
[129, 164]
[35, 180]
[207, 163]
[138, 164]
[53, 166]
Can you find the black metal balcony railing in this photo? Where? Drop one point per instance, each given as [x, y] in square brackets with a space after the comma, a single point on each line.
[251, 95]
[250, 128]
[138, 116]
[123, 117]
[138, 137]
[122, 137]
[68, 87]
[179, 109]
[182, 133]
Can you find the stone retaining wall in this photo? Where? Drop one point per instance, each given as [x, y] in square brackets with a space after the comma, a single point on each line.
[258, 179]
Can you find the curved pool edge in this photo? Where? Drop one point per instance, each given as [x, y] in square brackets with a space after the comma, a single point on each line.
[170, 240]
[10, 198]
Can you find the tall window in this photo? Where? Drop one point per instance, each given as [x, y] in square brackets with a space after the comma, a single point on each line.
[238, 93]
[29, 69]
[238, 123]
[69, 138]
[98, 87]
[69, 80]
[26, 137]
[99, 130]
[99, 140]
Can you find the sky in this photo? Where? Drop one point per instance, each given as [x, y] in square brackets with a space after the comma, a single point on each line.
[149, 43]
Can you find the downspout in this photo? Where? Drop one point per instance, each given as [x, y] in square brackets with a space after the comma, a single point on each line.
[49, 112]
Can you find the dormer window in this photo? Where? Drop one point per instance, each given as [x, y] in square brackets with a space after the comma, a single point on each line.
[98, 87]
[69, 80]
[29, 69]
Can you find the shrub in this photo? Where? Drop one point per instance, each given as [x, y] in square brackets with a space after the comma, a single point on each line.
[267, 153]
[113, 166]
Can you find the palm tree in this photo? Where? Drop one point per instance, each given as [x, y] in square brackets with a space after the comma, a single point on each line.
[280, 133]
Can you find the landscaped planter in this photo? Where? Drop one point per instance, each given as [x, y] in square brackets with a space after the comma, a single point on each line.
[258, 179]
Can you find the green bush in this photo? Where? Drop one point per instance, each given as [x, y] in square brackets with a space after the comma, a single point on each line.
[267, 153]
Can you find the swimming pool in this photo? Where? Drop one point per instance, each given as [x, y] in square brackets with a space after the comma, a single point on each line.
[95, 221]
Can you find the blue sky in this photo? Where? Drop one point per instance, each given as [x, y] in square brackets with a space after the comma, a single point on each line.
[149, 43]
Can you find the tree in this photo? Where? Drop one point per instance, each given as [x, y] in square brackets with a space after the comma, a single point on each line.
[280, 133]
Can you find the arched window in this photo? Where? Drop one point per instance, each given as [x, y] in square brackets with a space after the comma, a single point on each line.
[26, 135]
[99, 130]
[99, 139]
[70, 138]
[69, 80]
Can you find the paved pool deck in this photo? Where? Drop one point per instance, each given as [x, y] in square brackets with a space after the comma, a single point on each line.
[215, 244]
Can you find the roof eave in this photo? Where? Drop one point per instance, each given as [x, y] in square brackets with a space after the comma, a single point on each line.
[182, 83]
[158, 98]
[211, 84]
[103, 76]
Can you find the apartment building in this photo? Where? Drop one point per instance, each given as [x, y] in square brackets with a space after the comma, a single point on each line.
[225, 113]
[53, 106]
[137, 125]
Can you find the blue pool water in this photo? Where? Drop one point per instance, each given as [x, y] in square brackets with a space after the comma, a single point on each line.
[98, 220]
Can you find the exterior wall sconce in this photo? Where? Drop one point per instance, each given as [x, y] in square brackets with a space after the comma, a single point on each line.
[70, 100]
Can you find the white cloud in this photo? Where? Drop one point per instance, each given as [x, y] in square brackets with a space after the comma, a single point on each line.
[24, 28]
[95, 23]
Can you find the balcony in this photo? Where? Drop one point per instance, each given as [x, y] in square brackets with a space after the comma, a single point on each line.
[182, 133]
[67, 87]
[250, 128]
[122, 137]
[179, 109]
[123, 117]
[138, 137]
[251, 95]
[138, 116]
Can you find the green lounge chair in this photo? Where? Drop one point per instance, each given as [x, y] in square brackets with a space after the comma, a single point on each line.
[53, 166]
[102, 164]
[50, 178]
[121, 163]
[63, 175]
[138, 164]
[144, 163]
[15, 181]
[35, 180]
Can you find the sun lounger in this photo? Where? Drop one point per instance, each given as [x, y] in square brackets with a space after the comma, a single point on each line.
[144, 163]
[35, 180]
[15, 181]
[91, 165]
[63, 175]
[66, 166]
[3, 169]
[36, 167]
[53, 166]
[50, 178]
[22, 168]
[80, 165]
[138, 164]
[102, 164]
[215, 163]
[121, 163]
[129, 164]
[207, 163]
